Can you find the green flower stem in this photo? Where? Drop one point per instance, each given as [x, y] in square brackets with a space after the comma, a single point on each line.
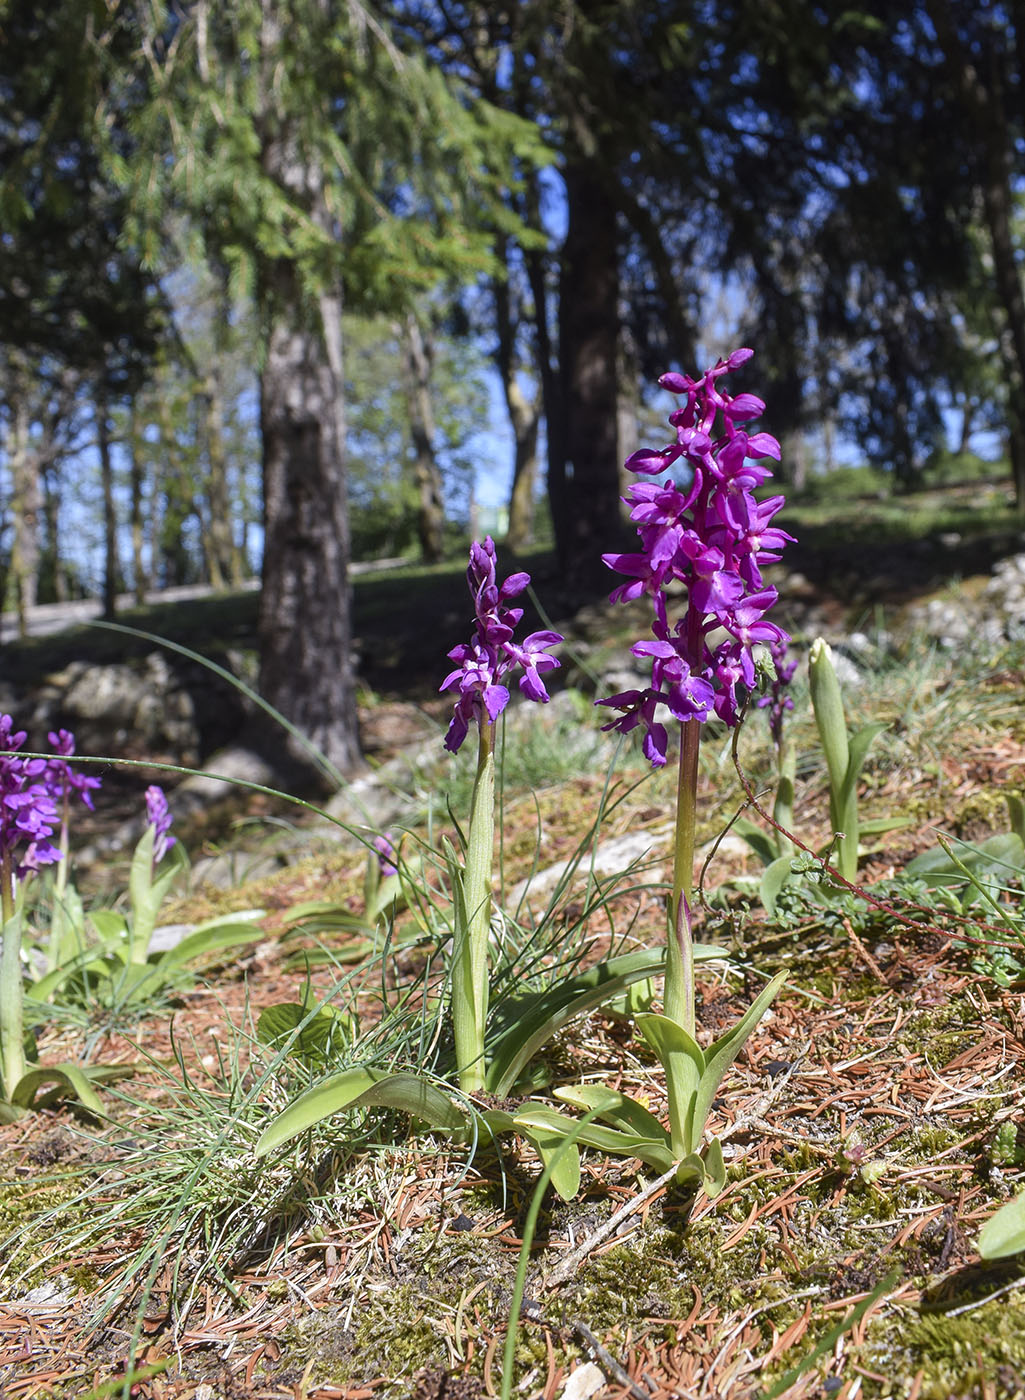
[470, 974]
[679, 983]
[12, 1029]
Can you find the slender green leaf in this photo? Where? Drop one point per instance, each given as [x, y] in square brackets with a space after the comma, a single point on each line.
[67, 1076]
[721, 1053]
[362, 1088]
[829, 1339]
[615, 1108]
[524, 1023]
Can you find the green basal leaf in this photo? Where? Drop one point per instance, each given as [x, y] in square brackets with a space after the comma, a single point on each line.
[778, 874]
[876, 825]
[110, 927]
[657, 1154]
[615, 1108]
[362, 1088]
[524, 1023]
[722, 1052]
[684, 1063]
[858, 747]
[1004, 1233]
[830, 720]
[71, 1079]
[322, 1029]
[714, 1175]
[560, 1157]
[211, 937]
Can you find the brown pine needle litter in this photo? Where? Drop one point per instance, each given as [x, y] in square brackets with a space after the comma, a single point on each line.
[873, 1122]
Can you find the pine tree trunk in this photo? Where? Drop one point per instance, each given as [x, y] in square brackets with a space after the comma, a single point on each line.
[587, 520]
[140, 581]
[416, 364]
[306, 669]
[218, 542]
[111, 566]
[524, 417]
[26, 504]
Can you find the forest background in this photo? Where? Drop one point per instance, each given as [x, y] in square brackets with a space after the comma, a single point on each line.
[269, 272]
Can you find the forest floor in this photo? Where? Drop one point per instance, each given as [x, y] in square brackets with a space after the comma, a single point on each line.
[873, 1122]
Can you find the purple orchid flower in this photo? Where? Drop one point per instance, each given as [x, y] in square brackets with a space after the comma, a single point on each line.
[159, 816]
[491, 655]
[713, 536]
[28, 810]
[66, 779]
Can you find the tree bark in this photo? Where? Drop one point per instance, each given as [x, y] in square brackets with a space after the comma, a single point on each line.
[585, 509]
[985, 102]
[524, 414]
[26, 498]
[140, 579]
[111, 564]
[218, 542]
[416, 364]
[306, 669]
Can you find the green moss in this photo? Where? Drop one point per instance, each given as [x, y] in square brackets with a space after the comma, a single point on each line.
[964, 1356]
[34, 1213]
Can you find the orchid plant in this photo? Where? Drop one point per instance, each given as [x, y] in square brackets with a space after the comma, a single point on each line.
[491, 1054]
[701, 526]
[34, 797]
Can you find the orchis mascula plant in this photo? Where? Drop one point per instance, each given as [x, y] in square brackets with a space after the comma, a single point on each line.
[30, 790]
[484, 663]
[702, 527]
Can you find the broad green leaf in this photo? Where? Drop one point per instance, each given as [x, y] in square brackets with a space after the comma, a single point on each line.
[361, 1088]
[110, 927]
[1016, 815]
[67, 1076]
[722, 1052]
[525, 1022]
[212, 937]
[278, 1027]
[778, 874]
[615, 1108]
[561, 1157]
[684, 1063]
[1004, 1233]
[858, 747]
[827, 703]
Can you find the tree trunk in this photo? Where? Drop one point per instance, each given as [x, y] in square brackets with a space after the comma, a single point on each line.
[982, 86]
[218, 542]
[416, 364]
[26, 502]
[306, 669]
[524, 414]
[111, 565]
[140, 581]
[586, 513]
